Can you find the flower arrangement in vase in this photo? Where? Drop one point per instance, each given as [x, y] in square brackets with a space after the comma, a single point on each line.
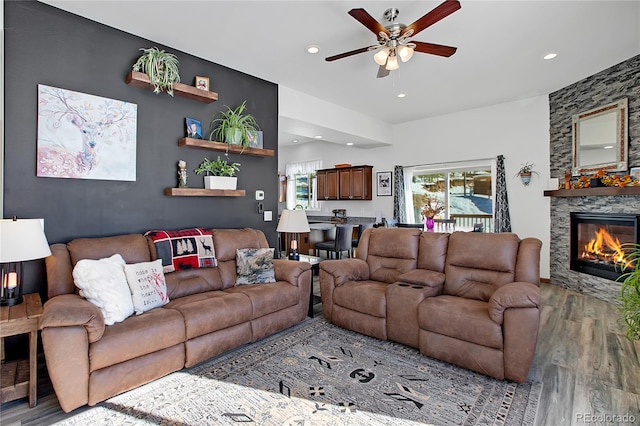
[431, 208]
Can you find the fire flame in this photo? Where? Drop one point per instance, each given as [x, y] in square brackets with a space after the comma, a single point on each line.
[606, 247]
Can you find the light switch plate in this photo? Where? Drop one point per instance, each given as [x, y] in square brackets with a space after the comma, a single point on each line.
[268, 216]
[259, 194]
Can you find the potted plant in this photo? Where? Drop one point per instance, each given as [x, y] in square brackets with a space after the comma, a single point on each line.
[630, 293]
[220, 174]
[233, 126]
[525, 172]
[161, 67]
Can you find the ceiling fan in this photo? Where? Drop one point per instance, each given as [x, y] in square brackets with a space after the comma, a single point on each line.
[393, 39]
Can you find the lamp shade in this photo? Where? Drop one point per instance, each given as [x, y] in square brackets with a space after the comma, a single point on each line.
[21, 240]
[293, 221]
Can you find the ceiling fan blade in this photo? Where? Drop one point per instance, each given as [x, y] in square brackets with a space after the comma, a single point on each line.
[350, 53]
[382, 71]
[434, 49]
[368, 21]
[440, 12]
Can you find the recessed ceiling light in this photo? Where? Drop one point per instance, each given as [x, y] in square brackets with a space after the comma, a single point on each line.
[294, 141]
[349, 143]
[401, 95]
[550, 55]
[318, 136]
[608, 147]
[313, 49]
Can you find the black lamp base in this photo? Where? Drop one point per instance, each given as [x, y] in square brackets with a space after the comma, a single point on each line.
[11, 302]
[294, 255]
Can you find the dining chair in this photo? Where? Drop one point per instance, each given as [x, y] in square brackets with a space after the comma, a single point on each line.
[445, 224]
[341, 243]
[355, 241]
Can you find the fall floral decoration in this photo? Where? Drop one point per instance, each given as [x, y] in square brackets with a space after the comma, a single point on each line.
[606, 180]
[432, 207]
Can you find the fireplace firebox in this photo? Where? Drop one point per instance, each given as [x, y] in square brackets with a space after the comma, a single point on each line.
[599, 242]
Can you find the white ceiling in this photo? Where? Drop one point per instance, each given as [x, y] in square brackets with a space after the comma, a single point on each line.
[499, 58]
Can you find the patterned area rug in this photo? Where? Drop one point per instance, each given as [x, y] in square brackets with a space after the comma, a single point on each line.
[319, 374]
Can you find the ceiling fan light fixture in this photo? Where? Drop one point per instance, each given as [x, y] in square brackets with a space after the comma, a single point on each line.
[381, 56]
[392, 63]
[405, 53]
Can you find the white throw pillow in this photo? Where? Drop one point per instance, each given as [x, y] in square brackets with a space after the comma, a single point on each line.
[103, 283]
[147, 284]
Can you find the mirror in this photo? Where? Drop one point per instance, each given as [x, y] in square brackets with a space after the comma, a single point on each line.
[600, 138]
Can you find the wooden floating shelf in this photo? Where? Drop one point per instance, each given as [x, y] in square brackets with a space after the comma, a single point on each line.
[140, 79]
[221, 146]
[201, 192]
[589, 192]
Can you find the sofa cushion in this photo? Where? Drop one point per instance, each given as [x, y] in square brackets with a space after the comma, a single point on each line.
[184, 249]
[254, 266]
[133, 248]
[432, 251]
[266, 299]
[227, 241]
[147, 284]
[192, 281]
[389, 252]
[103, 283]
[136, 336]
[460, 318]
[367, 297]
[479, 263]
[212, 311]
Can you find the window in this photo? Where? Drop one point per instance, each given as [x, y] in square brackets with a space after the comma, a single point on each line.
[465, 190]
[301, 185]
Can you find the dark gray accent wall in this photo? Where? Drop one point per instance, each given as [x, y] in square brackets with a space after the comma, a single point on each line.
[610, 85]
[44, 45]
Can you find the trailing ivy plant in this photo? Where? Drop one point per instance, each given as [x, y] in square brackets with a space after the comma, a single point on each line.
[630, 293]
[161, 67]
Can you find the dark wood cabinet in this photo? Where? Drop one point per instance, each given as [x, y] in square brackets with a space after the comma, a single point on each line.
[348, 183]
[327, 182]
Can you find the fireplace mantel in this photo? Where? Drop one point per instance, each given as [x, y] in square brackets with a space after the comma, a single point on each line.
[589, 192]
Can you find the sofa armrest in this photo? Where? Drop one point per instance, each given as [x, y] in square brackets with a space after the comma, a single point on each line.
[345, 270]
[290, 270]
[513, 295]
[68, 310]
[423, 277]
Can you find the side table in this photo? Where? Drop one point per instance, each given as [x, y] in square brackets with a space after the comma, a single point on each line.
[315, 269]
[19, 378]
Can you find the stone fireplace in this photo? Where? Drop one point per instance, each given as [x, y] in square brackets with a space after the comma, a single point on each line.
[604, 87]
[599, 243]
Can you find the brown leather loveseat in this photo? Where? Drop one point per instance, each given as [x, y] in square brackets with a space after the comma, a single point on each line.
[89, 362]
[468, 298]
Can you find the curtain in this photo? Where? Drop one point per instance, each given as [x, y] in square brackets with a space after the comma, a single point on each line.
[293, 169]
[399, 205]
[501, 218]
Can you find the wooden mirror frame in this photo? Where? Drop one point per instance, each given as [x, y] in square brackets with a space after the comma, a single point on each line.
[619, 140]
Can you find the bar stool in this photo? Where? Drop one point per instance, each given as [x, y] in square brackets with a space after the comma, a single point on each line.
[341, 243]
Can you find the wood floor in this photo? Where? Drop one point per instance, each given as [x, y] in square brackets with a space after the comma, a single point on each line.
[590, 371]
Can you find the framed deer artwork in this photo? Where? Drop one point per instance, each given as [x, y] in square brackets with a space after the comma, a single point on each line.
[83, 136]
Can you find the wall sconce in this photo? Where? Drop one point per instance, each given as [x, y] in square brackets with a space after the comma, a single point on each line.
[20, 240]
[293, 222]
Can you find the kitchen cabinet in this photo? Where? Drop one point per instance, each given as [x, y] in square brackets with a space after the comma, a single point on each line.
[355, 183]
[327, 184]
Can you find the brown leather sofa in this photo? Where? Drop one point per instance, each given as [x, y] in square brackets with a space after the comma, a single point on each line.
[468, 298]
[89, 362]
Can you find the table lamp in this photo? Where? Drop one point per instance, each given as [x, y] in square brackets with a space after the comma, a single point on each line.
[20, 240]
[293, 222]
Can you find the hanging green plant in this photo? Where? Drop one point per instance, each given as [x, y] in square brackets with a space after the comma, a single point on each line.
[161, 67]
[233, 126]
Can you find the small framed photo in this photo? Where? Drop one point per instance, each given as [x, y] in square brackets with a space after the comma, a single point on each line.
[202, 83]
[255, 139]
[384, 182]
[635, 173]
[194, 128]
